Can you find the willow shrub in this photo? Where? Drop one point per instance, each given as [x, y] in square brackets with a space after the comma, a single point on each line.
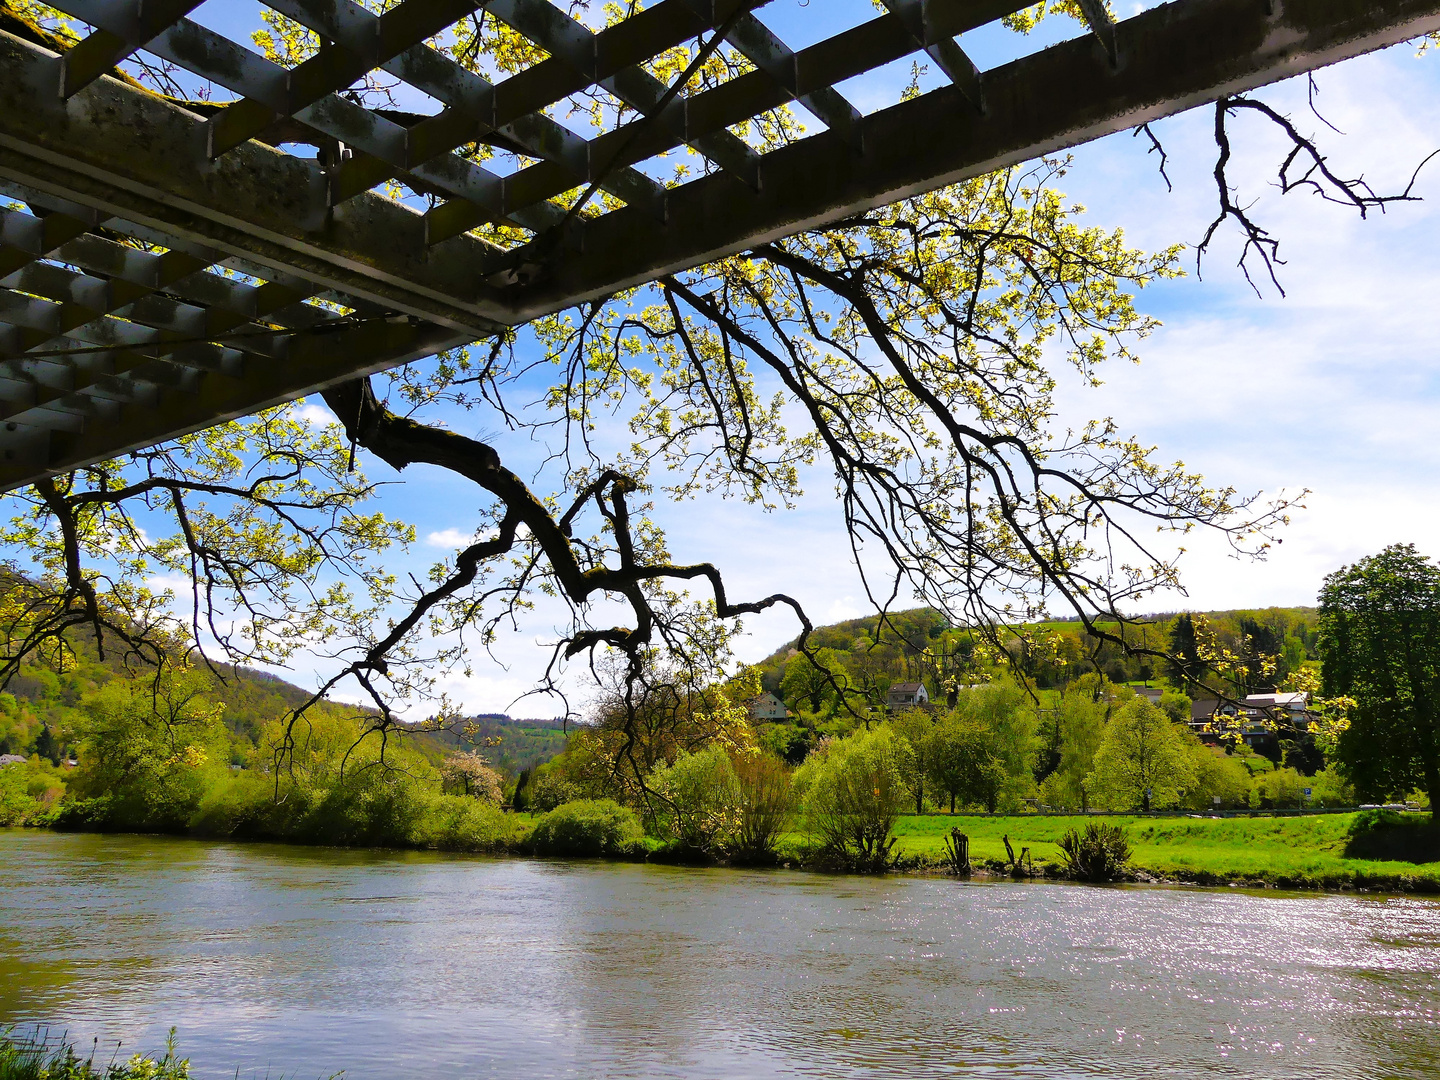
[697, 802]
[588, 827]
[766, 801]
[851, 792]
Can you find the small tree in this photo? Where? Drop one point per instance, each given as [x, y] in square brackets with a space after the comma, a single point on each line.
[1176, 706]
[1217, 776]
[811, 684]
[917, 727]
[964, 762]
[1080, 724]
[470, 774]
[699, 800]
[1380, 649]
[1142, 760]
[851, 791]
[149, 748]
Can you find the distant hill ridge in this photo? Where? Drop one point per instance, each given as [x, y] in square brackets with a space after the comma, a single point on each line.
[919, 644]
[920, 624]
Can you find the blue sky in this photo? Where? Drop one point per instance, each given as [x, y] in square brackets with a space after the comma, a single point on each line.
[1333, 387]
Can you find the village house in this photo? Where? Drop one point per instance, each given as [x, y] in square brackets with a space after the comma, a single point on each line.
[1258, 717]
[906, 695]
[767, 706]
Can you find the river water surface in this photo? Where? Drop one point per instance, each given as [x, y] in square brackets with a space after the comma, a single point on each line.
[397, 965]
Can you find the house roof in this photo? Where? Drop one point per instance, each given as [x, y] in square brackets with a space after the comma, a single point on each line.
[1281, 701]
[906, 688]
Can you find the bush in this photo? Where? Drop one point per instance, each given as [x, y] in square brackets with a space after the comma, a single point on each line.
[851, 791]
[1097, 854]
[588, 828]
[766, 800]
[1329, 788]
[29, 793]
[1278, 789]
[234, 807]
[461, 823]
[699, 801]
[548, 790]
[1387, 835]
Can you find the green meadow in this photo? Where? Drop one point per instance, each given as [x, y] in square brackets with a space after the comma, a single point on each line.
[1310, 851]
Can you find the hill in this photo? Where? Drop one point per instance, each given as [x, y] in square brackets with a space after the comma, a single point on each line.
[511, 745]
[919, 645]
[42, 709]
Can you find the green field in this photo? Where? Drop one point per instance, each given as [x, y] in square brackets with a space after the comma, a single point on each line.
[1301, 851]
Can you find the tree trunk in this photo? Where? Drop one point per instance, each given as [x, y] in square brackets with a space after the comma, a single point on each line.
[952, 804]
[1432, 788]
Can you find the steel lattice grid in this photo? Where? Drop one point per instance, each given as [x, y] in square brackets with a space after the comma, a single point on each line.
[411, 45]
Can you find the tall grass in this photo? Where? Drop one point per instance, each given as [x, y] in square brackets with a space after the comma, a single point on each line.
[37, 1056]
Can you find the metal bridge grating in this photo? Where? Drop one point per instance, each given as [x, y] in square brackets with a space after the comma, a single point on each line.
[167, 262]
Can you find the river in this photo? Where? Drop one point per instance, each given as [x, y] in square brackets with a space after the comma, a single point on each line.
[386, 965]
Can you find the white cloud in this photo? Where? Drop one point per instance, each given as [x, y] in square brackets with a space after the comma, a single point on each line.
[449, 538]
[316, 415]
[181, 586]
[842, 609]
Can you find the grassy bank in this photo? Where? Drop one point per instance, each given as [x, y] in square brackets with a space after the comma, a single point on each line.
[1309, 852]
[37, 1056]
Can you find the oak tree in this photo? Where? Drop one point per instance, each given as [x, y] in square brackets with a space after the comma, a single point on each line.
[1380, 649]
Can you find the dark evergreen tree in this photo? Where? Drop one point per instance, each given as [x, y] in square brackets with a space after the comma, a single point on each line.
[1185, 648]
[47, 746]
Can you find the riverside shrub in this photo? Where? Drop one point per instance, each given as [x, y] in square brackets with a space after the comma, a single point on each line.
[765, 804]
[30, 793]
[699, 801]
[1098, 853]
[588, 827]
[851, 792]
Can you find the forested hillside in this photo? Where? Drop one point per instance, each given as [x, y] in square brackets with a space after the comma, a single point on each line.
[43, 710]
[1264, 647]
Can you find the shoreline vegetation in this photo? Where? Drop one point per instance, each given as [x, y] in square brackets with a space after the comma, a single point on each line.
[730, 773]
[1334, 851]
[38, 1055]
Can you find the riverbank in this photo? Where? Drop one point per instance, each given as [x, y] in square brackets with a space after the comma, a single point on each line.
[1333, 852]
[1323, 851]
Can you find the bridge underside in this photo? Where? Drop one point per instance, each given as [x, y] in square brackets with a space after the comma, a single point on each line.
[166, 264]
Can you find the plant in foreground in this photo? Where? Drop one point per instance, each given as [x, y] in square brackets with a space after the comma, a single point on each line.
[1097, 854]
[38, 1057]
